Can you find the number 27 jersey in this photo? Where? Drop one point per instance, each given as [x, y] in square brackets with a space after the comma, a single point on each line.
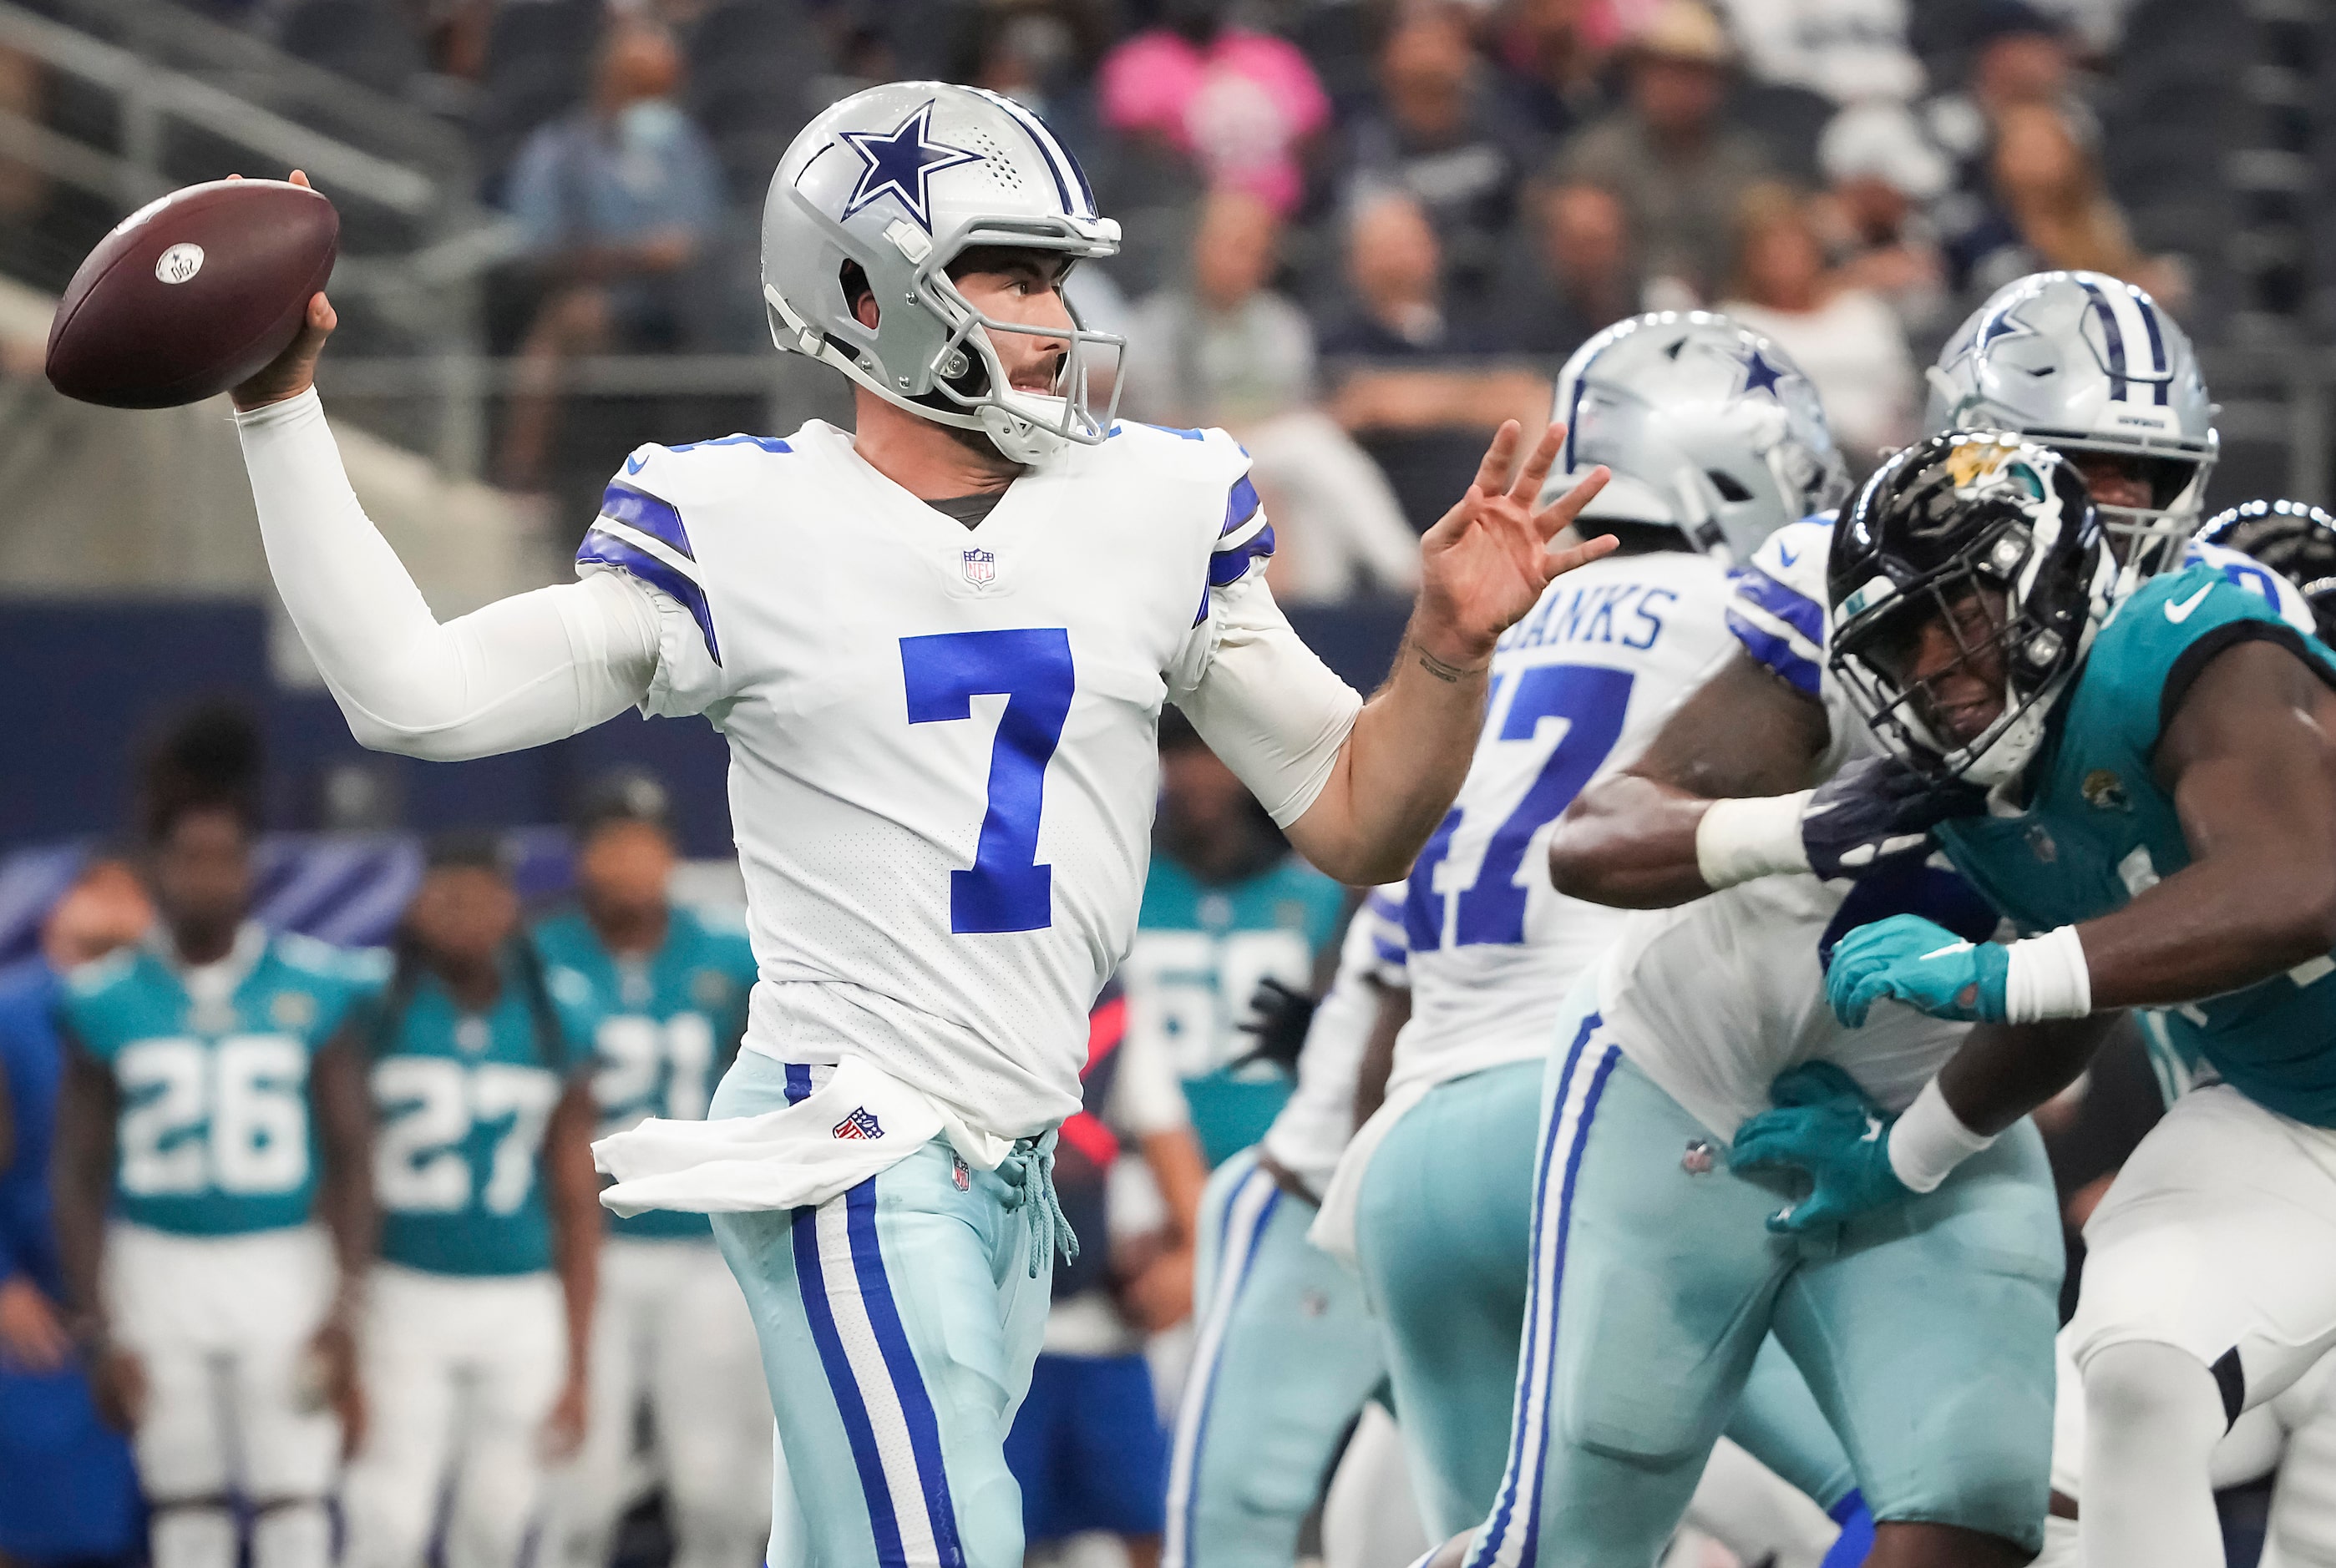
[943, 741]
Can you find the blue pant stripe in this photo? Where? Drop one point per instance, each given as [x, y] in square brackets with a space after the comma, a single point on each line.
[908, 1381]
[1201, 1380]
[1532, 1371]
[861, 1432]
[1530, 1553]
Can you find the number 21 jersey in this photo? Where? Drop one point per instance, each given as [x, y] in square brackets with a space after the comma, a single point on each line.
[943, 741]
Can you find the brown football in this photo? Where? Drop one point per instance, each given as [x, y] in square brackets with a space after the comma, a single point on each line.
[192, 292]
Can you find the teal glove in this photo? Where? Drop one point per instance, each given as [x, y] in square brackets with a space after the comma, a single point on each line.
[1921, 963]
[1828, 1127]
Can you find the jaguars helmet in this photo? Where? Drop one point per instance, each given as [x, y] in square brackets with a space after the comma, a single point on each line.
[2293, 538]
[1981, 516]
[898, 181]
[1707, 426]
[2086, 362]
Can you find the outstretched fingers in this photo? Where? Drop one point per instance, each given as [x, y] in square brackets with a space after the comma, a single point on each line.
[1492, 473]
[1527, 490]
[1561, 511]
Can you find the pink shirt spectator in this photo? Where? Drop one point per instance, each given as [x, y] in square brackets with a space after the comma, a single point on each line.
[1238, 105]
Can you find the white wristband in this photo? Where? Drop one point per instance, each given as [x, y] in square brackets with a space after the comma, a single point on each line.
[2049, 978]
[1930, 1140]
[1738, 840]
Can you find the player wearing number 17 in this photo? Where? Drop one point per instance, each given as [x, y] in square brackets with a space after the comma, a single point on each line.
[939, 645]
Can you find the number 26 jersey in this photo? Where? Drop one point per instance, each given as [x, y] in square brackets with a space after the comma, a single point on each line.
[943, 741]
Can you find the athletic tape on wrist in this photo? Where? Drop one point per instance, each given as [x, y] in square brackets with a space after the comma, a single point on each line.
[2048, 978]
[1738, 840]
[1930, 1140]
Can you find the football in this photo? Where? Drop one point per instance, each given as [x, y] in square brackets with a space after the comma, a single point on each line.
[191, 294]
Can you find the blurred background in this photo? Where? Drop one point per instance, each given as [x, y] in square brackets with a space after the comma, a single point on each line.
[1360, 232]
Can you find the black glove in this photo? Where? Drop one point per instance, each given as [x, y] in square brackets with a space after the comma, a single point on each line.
[1876, 811]
[1278, 1018]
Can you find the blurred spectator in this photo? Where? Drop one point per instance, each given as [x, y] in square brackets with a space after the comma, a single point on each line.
[2018, 56]
[1575, 276]
[67, 1491]
[1420, 419]
[615, 201]
[1088, 1446]
[2050, 209]
[1239, 105]
[1549, 65]
[1880, 172]
[1222, 349]
[1225, 350]
[1677, 165]
[1440, 133]
[1845, 338]
[1032, 51]
[1844, 50]
[1394, 268]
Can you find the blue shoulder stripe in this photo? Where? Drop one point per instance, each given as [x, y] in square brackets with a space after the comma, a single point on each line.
[1228, 567]
[602, 548]
[1241, 505]
[1778, 654]
[660, 519]
[1794, 609]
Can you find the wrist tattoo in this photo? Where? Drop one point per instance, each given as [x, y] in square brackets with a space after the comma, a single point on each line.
[1442, 670]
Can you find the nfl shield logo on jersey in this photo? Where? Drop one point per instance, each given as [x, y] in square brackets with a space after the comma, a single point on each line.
[860, 1124]
[981, 567]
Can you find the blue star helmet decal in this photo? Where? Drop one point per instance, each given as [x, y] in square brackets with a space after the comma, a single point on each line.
[900, 163]
[1760, 375]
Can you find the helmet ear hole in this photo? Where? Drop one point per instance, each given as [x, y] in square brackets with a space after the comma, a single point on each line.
[852, 279]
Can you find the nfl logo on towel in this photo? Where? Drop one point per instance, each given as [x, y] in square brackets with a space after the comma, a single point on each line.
[859, 1124]
[981, 567]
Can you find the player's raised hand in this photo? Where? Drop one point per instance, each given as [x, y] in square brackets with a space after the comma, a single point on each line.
[294, 370]
[1487, 561]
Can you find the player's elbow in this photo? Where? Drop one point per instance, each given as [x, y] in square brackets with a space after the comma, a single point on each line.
[1364, 865]
[2308, 926]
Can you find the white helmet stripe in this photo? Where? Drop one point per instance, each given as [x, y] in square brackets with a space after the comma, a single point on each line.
[1070, 180]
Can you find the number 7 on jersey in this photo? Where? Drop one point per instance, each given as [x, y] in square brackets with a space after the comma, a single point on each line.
[1005, 889]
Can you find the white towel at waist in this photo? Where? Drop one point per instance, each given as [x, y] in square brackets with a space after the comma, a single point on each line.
[859, 1123]
[1333, 1230]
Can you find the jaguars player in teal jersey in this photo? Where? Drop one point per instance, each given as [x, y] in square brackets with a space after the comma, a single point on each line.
[211, 1202]
[670, 986]
[1226, 907]
[479, 1312]
[2161, 823]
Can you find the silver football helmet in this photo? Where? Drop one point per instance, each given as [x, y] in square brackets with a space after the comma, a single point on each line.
[898, 181]
[1708, 427]
[2082, 362]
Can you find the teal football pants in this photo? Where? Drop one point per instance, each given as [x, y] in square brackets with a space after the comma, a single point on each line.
[899, 1325]
[1285, 1356]
[1924, 1333]
[1443, 1236]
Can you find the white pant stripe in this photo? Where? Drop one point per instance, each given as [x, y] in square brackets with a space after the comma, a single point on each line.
[841, 1277]
[1244, 1211]
[1536, 1376]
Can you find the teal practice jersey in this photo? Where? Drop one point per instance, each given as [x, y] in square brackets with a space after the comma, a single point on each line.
[667, 1028]
[1200, 953]
[215, 1136]
[462, 1101]
[2100, 829]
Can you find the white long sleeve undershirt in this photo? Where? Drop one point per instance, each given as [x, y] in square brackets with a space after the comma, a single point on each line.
[533, 668]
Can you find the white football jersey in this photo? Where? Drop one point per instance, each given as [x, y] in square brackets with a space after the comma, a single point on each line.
[1713, 998]
[1318, 1122]
[1579, 686]
[943, 741]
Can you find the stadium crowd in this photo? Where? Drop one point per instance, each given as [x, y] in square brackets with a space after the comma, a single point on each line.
[1353, 231]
